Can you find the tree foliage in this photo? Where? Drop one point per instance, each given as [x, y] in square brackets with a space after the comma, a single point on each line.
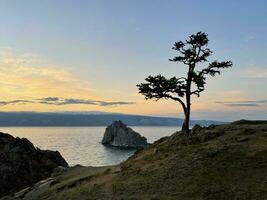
[193, 53]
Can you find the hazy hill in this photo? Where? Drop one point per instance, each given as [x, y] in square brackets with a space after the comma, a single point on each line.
[88, 119]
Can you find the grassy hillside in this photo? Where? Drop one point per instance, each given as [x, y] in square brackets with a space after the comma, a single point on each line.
[224, 162]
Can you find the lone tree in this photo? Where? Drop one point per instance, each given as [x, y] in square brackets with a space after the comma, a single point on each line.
[194, 54]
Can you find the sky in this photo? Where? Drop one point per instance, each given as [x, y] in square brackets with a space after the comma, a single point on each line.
[76, 55]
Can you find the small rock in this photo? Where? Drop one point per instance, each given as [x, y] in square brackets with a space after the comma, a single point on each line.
[242, 139]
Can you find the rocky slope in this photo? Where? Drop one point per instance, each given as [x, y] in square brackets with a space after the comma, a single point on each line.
[21, 164]
[218, 162]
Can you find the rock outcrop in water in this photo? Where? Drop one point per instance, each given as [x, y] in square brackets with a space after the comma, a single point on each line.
[21, 164]
[119, 135]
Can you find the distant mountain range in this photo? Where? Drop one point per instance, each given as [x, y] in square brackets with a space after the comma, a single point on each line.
[94, 118]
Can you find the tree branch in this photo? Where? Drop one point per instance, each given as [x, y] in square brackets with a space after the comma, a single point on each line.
[179, 100]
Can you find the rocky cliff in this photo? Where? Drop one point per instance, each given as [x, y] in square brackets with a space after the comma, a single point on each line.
[119, 135]
[21, 164]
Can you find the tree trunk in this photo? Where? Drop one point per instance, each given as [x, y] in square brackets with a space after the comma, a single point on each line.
[188, 100]
[185, 126]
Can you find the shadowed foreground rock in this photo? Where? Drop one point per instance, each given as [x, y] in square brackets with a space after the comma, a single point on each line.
[21, 164]
[119, 135]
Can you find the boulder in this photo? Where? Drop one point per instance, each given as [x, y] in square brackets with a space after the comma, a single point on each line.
[22, 165]
[119, 135]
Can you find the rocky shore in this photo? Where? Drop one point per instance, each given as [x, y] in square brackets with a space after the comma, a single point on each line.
[22, 164]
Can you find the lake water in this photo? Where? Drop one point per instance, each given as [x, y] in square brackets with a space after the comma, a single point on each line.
[82, 145]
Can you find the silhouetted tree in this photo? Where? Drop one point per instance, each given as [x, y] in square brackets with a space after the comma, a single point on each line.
[193, 53]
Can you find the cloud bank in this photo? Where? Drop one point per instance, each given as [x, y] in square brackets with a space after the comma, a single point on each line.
[57, 101]
[18, 101]
[249, 103]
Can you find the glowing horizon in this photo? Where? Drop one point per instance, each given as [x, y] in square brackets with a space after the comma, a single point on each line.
[77, 60]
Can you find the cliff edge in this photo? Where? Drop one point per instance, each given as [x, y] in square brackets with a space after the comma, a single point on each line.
[21, 164]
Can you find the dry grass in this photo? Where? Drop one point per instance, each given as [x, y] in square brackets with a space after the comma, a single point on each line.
[226, 162]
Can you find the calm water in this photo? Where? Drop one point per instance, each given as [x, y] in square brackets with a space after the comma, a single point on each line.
[82, 145]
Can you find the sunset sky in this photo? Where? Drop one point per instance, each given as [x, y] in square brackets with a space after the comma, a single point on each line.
[89, 55]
